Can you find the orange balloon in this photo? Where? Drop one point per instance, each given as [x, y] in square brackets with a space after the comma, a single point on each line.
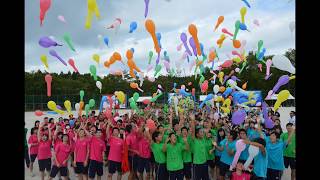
[220, 20]
[133, 85]
[129, 54]
[244, 86]
[199, 63]
[222, 89]
[193, 31]
[212, 56]
[236, 43]
[117, 56]
[151, 28]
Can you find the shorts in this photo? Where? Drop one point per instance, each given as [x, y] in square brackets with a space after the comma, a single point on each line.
[143, 164]
[224, 169]
[114, 166]
[44, 164]
[217, 160]
[81, 169]
[95, 167]
[187, 170]
[289, 161]
[211, 163]
[161, 171]
[55, 169]
[242, 161]
[152, 160]
[273, 174]
[133, 162]
[200, 171]
[176, 175]
[254, 177]
[33, 157]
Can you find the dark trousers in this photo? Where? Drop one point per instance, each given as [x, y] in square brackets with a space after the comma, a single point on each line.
[176, 175]
[273, 174]
[26, 157]
[201, 171]
[161, 171]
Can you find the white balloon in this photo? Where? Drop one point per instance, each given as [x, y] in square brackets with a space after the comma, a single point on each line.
[292, 26]
[99, 85]
[237, 69]
[283, 63]
[105, 104]
[77, 106]
[151, 79]
[216, 89]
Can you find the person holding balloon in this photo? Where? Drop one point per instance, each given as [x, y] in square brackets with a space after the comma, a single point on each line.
[44, 151]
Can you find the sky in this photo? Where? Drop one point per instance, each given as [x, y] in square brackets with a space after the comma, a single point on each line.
[171, 18]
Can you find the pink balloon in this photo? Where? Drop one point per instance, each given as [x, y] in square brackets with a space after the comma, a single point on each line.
[167, 65]
[204, 86]
[235, 53]
[151, 79]
[44, 6]
[38, 113]
[151, 125]
[71, 63]
[256, 22]
[224, 30]
[48, 79]
[179, 47]
[268, 64]
[146, 101]
[260, 67]
[240, 146]
[226, 64]
[61, 18]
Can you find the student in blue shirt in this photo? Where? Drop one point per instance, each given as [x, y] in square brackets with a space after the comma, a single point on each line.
[275, 147]
[228, 148]
[221, 135]
[245, 153]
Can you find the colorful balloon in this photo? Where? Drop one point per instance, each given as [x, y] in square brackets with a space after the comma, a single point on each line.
[184, 38]
[92, 103]
[96, 58]
[283, 63]
[67, 39]
[120, 96]
[52, 106]
[243, 12]
[238, 117]
[194, 33]
[93, 72]
[47, 42]
[260, 67]
[67, 105]
[132, 65]
[54, 54]
[61, 18]
[237, 26]
[282, 96]
[38, 113]
[71, 63]
[99, 85]
[44, 60]
[268, 64]
[150, 56]
[92, 8]
[48, 79]
[193, 46]
[146, 9]
[81, 95]
[247, 3]
[106, 40]
[44, 7]
[236, 43]
[135, 86]
[115, 24]
[219, 21]
[133, 26]
[224, 30]
[151, 28]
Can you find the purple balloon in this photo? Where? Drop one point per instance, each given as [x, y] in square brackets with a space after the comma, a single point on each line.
[54, 54]
[47, 42]
[269, 123]
[238, 117]
[193, 45]
[284, 79]
[234, 78]
[147, 8]
[158, 58]
[59, 107]
[183, 38]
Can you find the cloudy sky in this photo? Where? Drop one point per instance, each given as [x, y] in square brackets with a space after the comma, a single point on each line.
[171, 18]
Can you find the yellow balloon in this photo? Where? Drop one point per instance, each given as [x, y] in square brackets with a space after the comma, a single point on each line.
[220, 76]
[292, 77]
[282, 96]
[227, 102]
[120, 96]
[96, 58]
[243, 12]
[250, 96]
[53, 106]
[67, 105]
[225, 109]
[237, 60]
[44, 60]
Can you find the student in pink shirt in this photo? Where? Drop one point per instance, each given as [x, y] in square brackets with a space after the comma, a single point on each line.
[97, 148]
[61, 156]
[133, 146]
[34, 144]
[115, 153]
[81, 155]
[144, 153]
[44, 151]
[239, 174]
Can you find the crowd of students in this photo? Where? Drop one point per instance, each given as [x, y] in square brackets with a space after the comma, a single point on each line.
[194, 145]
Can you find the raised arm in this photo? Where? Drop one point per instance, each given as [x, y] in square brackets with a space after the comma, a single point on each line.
[187, 146]
[164, 147]
[193, 129]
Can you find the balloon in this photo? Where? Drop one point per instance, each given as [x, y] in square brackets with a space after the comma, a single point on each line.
[156, 97]
[283, 63]
[247, 3]
[151, 125]
[99, 85]
[292, 26]
[52, 106]
[256, 22]
[115, 24]
[146, 8]
[106, 40]
[93, 72]
[157, 69]
[96, 58]
[268, 64]
[43, 59]
[44, 7]
[158, 35]
[236, 43]
[150, 27]
[38, 113]
[240, 146]
[282, 96]
[222, 89]
[92, 8]
[238, 117]
[81, 95]
[120, 96]
[212, 56]
[87, 108]
[204, 86]
[150, 56]
[135, 96]
[216, 89]
[284, 79]
[260, 44]
[48, 79]
[220, 41]
[244, 86]
[193, 31]
[193, 46]
[67, 105]
[237, 69]
[54, 54]
[219, 21]
[227, 92]
[179, 47]
[220, 76]
[184, 38]
[81, 107]
[224, 30]
[135, 86]
[146, 101]
[77, 107]
[237, 26]
[132, 65]
[166, 65]
[71, 63]
[47, 42]
[52, 112]
[208, 98]
[260, 67]
[61, 18]
[227, 64]
[261, 54]
[133, 26]
[67, 39]
[92, 103]
[243, 12]
[243, 27]
[151, 79]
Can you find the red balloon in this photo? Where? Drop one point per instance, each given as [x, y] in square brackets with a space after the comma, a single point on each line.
[146, 101]
[38, 113]
[151, 125]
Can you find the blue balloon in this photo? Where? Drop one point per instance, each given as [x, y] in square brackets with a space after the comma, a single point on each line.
[208, 98]
[158, 35]
[52, 112]
[132, 49]
[103, 99]
[247, 3]
[227, 92]
[202, 49]
[261, 54]
[106, 40]
[243, 26]
[133, 26]
[184, 93]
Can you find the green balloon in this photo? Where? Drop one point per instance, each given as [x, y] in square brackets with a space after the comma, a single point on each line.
[157, 69]
[202, 78]
[92, 103]
[81, 94]
[260, 44]
[93, 72]
[156, 97]
[150, 56]
[87, 108]
[68, 40]
[237, 26]
[165, 108]
[135, 96]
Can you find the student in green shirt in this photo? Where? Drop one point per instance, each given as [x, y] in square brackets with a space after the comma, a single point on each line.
[186, 155]
[174, 156]
[199, 152]
[289, 152]
[210, 152]
[159, 156]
